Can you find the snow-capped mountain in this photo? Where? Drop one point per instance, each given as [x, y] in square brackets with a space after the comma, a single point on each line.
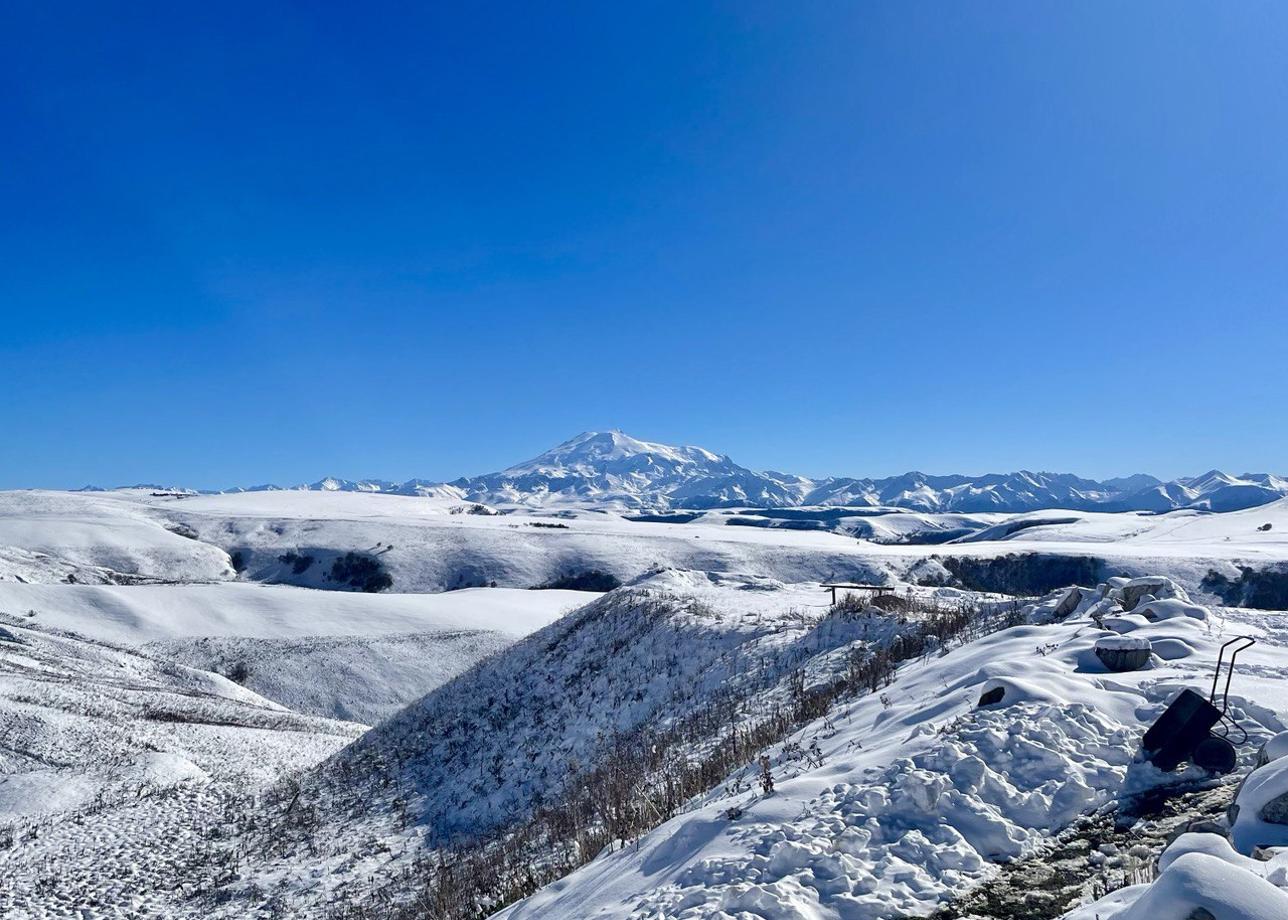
[421, 487]
[615, 470]
[612, 470]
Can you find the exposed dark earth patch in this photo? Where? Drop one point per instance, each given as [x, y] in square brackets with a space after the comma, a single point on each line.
[592, 580]
[1024, 574]
[1261, 589]
[1097, 855]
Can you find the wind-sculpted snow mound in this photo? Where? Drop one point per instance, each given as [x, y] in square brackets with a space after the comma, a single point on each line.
[1201, 876]
[922, 828]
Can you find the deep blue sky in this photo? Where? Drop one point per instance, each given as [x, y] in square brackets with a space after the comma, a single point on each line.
[270, 242]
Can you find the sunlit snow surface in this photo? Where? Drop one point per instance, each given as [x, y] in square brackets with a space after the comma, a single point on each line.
[123, 754]
[939, 788]
[428, 546]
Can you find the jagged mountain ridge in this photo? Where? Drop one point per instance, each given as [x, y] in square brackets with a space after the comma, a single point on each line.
[610, 469]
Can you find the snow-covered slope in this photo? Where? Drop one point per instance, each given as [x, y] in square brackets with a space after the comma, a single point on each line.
[496, 743]
[97, 538]
[914, 794]
[653, 651]
[357, 678]
[148, 613]
[358, 657]
[114, 768]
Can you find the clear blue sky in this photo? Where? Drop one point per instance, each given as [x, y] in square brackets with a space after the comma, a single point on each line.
[268, 242]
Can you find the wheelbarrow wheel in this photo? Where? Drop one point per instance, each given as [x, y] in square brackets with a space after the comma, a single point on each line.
[1216, 755]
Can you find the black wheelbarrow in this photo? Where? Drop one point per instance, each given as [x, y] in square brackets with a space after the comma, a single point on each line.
[1196, 729]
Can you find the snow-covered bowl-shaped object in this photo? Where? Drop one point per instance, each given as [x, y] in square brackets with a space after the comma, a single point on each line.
[1123, 653]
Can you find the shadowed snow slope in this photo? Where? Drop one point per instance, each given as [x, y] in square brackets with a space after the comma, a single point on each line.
[488, 747]
[357, 678]
[650, 652]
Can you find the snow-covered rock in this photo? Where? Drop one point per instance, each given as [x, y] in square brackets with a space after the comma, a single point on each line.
[1153, 587]
[1198, 885]
[1273, 749]
[1155, 610]
[1124, 653]
[1260, 810]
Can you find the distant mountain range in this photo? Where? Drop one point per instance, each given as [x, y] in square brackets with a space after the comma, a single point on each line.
[609, 469]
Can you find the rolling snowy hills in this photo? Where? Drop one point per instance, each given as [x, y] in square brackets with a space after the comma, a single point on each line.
[890, 797]
[408, 545]
[115, 768]
[171, 664]
[578, 754]
[353, 656]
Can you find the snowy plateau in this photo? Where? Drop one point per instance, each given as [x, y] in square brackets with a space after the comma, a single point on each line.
[610, 683]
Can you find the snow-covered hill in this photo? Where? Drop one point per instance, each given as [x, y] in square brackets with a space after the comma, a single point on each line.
[116, 767]
[352, 656]
[886, 802]
[512, 735]
[399, 544]
[97, 538]
[914, 795]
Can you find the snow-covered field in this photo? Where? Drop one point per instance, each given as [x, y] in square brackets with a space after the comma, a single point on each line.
[186, 685]
[147, 613]
[96, 538]
[347, 655]
[433, 544]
